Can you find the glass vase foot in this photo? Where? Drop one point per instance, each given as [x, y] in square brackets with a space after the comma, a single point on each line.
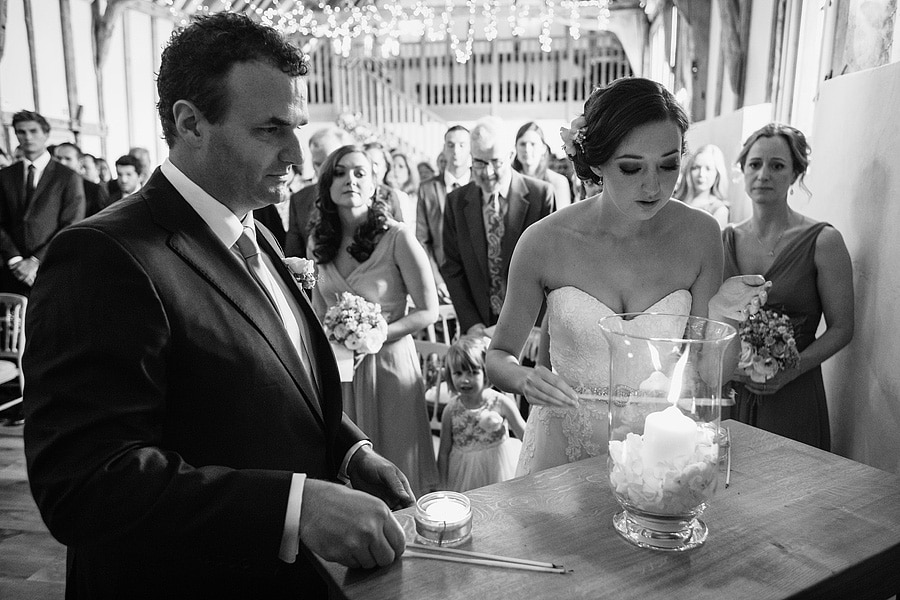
[669, 535]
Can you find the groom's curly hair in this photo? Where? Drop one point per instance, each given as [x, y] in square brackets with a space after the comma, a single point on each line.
[614, 111]
[200, 56]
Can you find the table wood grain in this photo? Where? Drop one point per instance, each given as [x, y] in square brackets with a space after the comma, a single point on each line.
[796, 522]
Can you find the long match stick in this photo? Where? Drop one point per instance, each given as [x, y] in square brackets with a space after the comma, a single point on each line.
[728, 459]
[478, 561]
[520, 561]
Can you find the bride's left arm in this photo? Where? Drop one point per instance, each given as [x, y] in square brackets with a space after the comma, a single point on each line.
[416, 273]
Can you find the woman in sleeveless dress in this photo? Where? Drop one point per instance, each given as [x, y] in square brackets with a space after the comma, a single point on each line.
[630, 249]
[811, 275]
[361, 250]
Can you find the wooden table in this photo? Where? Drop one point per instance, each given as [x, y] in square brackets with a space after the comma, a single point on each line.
[795, 523]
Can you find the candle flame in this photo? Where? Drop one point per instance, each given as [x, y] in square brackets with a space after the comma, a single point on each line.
[654, 356]
[678, 377]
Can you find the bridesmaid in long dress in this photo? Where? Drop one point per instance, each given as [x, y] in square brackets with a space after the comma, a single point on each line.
[360, 249]
[811, 274]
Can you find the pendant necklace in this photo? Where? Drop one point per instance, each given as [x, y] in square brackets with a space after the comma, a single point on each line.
[775, 245]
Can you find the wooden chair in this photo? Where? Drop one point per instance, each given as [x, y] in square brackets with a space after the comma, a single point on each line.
[12, 342]
[447, 319]
[431, 357]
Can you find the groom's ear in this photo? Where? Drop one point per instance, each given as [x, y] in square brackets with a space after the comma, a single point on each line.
[189, 122]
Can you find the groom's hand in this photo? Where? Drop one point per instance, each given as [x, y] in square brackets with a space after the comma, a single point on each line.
[349, 526]
[370, 472]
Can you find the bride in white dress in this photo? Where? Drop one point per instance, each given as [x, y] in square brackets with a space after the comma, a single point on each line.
[629, 249]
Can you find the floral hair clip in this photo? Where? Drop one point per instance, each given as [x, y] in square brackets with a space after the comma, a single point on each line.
[573, 137]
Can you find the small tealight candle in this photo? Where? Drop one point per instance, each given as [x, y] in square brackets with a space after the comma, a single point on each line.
[669, 434]
[657, 382]
[443, 518]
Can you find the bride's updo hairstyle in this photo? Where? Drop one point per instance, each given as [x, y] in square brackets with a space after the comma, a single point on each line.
[614, 111]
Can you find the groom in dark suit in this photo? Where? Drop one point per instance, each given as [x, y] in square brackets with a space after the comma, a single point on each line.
[483, 221]
[184, 433]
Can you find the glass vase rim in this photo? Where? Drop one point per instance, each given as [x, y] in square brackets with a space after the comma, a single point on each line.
[730, 330]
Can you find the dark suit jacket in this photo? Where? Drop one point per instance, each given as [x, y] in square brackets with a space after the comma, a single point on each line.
[96, 197]
[166, 418]
[430, 221]
[268, 216]
[465, 267]
[25, 231]
[303, 202]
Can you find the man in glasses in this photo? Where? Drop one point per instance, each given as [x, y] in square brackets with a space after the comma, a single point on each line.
[482, 224]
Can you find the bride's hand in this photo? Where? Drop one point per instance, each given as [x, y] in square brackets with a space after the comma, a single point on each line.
[543, 387]
[739, 296]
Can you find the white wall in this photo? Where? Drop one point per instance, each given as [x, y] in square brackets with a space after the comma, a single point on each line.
[855, 179]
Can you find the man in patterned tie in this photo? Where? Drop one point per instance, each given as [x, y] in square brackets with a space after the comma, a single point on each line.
[482, 224]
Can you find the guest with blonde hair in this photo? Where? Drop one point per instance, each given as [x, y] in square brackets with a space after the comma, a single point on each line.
[704, 183]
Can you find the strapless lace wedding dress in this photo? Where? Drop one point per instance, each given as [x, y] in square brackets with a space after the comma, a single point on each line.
[580, 355]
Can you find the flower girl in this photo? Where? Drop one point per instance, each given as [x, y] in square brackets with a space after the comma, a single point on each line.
[476, 449]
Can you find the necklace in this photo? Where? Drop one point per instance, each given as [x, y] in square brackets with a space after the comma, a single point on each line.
[763, 246]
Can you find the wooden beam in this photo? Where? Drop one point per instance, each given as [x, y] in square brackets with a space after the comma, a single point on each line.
[65, 18]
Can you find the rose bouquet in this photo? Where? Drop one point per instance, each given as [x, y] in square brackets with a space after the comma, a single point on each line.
[356, 324]
[303, 270]
[767, 345]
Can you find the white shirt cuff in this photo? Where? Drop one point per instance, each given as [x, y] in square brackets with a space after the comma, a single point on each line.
[13, 260]
[290, 538]
[342, 472]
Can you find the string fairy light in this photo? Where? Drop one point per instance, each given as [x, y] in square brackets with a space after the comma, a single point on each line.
[386, 23]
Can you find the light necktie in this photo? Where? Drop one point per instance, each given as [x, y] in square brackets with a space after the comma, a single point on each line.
[250, 252]
[493, 212]
[29, 185]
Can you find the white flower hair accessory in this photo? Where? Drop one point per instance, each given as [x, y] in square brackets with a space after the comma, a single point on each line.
[303, 270]
[573, 136]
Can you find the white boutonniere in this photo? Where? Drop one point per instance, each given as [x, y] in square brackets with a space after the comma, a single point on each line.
[303, 270]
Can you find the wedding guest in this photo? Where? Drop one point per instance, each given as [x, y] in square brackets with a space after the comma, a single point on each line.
[475, 448]
[89, 170]
[185, 436]
[533, 159]
[627, 250]
[302, 202]
[128, 177]
[103, 171]
[95, 195]
[483, 221]
[704, 183]
[812, 276]
[432, 192]
[360, 249]
[404, 179]
[425, 170]
[39, 197]
[385, 192]
[146, 164]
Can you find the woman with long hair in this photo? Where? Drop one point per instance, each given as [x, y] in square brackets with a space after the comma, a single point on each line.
[704, 183]
[360, 249]
[533, 159]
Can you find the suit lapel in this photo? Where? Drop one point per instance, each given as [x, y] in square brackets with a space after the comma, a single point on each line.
[515, 217]
[195, 243]
[475, 223]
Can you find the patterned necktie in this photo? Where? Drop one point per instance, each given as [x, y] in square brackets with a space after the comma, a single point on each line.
[250, 252]
[29, 186]
[494, 213]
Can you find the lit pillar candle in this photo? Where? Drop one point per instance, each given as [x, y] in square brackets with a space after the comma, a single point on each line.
[668, 434]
